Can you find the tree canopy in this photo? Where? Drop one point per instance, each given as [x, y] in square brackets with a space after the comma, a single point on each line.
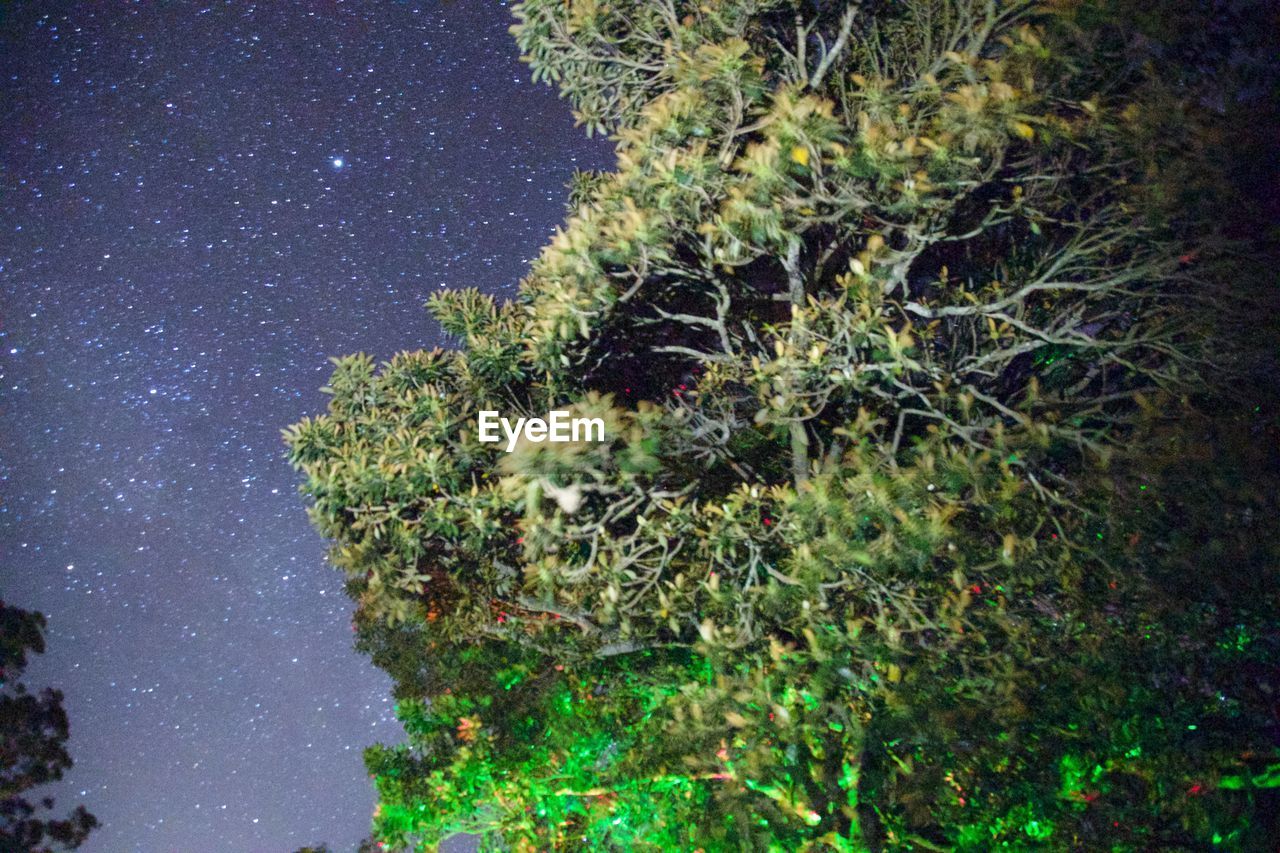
[886, 308]
[33, 752]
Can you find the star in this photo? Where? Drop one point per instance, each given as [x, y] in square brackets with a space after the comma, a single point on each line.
[155, 416]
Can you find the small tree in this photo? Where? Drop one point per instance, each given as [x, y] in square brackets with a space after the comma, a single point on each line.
[33, 737]
[872, 290]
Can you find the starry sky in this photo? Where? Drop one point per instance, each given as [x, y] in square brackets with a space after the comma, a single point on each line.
[199, 204]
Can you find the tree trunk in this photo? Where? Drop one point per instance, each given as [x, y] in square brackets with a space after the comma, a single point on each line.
[795, 291]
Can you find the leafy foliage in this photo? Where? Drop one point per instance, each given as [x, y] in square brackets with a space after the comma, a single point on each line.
[873, 298]
[33, 736]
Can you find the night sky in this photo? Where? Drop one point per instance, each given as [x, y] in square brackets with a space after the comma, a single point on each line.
[202, 202]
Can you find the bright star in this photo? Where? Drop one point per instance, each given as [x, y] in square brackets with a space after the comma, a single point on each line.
[337, 162]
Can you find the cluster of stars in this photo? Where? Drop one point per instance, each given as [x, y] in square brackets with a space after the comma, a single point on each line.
[202, 203]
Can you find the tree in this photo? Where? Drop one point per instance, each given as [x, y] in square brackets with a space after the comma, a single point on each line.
[32, 746]
[873, 294]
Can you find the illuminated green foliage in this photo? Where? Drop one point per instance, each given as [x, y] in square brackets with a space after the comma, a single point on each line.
[872, 299]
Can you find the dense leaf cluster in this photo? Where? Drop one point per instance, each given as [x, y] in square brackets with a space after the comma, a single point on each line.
[33, 752]
[873, 295]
